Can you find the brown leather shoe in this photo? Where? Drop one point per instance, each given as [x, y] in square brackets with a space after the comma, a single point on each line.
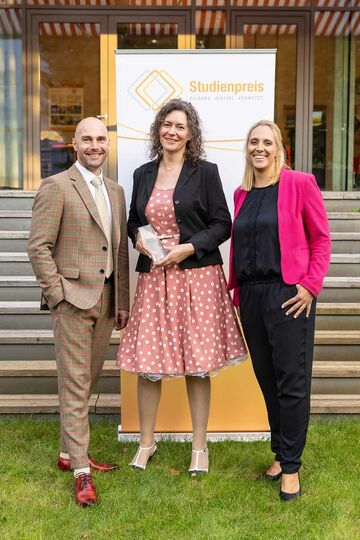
[85, 494]
[64, 465]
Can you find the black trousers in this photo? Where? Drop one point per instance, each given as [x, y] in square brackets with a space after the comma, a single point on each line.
[281, 350]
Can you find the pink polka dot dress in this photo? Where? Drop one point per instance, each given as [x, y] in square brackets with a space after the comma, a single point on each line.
[182, 321]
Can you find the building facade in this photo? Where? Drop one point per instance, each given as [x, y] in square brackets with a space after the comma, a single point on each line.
[57, 65]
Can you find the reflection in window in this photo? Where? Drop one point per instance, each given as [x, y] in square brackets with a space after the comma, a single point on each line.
[210, 3]
[147, 36]
[282, 37]
[272, 3]
[69, 88]
[210, 28]
[336, 117]
[336, 3]
[11, 128]
[153, 3]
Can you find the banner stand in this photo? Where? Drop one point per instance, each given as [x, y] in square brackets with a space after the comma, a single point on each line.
[231, 89]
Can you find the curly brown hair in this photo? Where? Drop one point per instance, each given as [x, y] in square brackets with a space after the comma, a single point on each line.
[194, 151]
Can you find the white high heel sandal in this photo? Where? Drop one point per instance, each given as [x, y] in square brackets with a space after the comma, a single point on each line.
[196, 469]
[135, 462]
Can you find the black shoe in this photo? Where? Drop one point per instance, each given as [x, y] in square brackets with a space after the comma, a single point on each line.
[290, 496]
[272, 477]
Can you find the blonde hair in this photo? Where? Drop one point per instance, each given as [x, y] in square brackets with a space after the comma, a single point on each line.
[280, 160]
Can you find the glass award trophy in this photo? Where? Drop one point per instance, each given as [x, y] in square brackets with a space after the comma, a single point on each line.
[153, 243]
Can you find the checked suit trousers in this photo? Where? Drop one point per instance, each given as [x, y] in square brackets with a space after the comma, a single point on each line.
[81, 341]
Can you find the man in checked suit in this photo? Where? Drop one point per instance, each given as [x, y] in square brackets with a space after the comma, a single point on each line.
[78, 249]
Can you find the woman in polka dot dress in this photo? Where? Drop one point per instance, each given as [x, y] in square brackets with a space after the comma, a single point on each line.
[182, 321]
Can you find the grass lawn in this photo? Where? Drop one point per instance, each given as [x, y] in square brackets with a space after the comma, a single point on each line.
[164, 503]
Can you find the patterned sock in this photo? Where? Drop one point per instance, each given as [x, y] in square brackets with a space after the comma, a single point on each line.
[84, 470]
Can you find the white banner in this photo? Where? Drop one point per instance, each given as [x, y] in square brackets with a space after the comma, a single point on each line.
[230, 89]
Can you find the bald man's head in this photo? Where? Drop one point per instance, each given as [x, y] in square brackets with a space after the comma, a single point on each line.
[91, 143]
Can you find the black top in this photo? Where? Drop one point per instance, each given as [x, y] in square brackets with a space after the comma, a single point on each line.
[256, 238]
[200, 209]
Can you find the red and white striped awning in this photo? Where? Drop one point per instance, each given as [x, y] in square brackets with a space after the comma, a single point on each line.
[160, 3]
[336, 23]
[207, 22]
[274, 29]
[70, 2]
[69, 29]
[327, 23]
[10, 22]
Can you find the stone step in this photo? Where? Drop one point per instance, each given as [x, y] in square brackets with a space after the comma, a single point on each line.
[334, 385]
[344, 221]
[24, 315]
[40, 377]
[25, 288]
[326, 337]
[111, 403]
[344, 265]
[11, 199]
[48, 385]
[44, 368]
[49, 403]
[337, 316]
[47, 368]
[345, 242]
[27, 315]
[341, 201]
[18, 264]
[342, 377]
[341, 289]
[331, 369]
[335, 404]
[37, 336]
[15, 220]
[46, 336]
[15, 264]
[341, 242]
[39, 345]
[20, 220]
[335, 201]
[13, 241]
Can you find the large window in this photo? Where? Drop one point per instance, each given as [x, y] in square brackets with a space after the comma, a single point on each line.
[147, 36]
[65, 51]
[283, 38]
[69, 87]
[336, 115]
[11, 114]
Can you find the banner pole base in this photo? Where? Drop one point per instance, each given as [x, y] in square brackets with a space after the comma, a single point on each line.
[241, 436]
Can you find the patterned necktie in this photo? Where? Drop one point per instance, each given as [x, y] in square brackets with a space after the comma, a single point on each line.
[105, 220]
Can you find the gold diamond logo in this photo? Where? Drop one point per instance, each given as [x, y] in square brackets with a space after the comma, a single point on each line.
[154, 88]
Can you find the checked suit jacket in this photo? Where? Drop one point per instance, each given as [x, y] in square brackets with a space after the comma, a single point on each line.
[67, 244]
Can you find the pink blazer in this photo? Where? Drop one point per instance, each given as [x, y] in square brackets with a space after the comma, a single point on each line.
[304, 234]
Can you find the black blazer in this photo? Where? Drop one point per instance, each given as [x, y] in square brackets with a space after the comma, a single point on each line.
[200, 208]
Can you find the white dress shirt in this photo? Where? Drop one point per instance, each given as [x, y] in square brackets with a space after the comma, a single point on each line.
[88, 176]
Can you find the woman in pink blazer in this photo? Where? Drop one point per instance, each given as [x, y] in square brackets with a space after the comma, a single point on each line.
[279, 256]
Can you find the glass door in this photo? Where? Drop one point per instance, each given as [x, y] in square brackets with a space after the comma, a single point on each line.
[65, 85]
[288, 34]
[72, 75]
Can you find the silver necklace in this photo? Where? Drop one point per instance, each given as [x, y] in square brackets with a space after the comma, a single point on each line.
[169, 169]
